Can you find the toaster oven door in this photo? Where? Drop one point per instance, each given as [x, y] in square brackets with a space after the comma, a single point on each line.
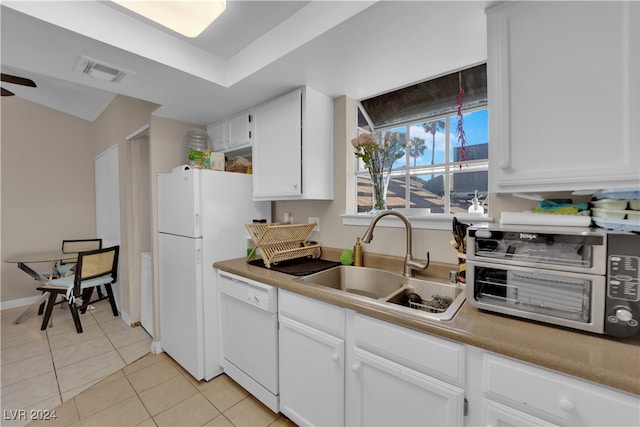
[579, 252]
[567, 299]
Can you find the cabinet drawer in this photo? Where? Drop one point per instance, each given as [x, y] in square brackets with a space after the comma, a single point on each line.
[500, 415]
[557, 397]
[425, 353]
[322, 316]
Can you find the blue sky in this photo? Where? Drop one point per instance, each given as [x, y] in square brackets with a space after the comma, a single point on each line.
[475, 128]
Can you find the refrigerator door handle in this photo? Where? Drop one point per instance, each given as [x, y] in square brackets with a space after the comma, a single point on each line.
[198, 256]
[198, 224]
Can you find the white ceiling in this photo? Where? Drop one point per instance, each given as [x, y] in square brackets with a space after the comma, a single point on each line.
[253, 52]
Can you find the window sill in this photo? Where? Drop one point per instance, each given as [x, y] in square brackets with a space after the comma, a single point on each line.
[425, 222]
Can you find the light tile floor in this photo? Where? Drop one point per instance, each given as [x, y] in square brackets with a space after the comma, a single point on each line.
[151, 390]
[42, 369]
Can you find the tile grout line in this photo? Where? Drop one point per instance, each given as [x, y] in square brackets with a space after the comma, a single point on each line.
[107, 335]
[53, 365]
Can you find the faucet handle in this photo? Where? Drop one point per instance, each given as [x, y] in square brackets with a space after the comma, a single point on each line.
[414, 264]
[421, 264]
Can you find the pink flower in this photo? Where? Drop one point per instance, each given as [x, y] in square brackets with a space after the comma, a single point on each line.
[364, 139]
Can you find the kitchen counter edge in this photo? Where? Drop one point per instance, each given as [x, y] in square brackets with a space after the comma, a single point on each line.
[612, 362]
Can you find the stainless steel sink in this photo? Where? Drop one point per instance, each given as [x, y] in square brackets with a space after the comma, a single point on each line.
[431, 299]
[368, 282]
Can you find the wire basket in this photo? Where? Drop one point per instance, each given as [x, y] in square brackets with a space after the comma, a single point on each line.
[281, 242]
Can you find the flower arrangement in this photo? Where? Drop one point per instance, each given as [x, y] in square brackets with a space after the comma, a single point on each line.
[378, 157]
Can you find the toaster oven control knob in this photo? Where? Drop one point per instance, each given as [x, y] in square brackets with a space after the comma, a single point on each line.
[624, 314]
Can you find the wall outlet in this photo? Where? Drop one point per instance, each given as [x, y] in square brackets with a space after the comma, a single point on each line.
[316, 220]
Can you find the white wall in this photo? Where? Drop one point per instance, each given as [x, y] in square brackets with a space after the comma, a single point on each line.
[47, 186]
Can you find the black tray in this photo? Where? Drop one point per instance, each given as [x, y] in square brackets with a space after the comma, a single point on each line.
[299, 266]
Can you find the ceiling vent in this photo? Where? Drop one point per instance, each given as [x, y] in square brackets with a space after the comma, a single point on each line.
[100, 71]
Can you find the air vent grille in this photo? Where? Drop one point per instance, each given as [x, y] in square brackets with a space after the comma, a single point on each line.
[100, 70]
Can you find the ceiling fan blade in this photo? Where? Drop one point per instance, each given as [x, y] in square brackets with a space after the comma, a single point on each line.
[6, 92]
[17, 80]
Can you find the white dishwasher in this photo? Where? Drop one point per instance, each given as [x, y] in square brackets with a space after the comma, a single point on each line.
[249, 331]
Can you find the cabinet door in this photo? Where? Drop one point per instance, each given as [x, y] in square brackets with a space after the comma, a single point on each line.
[277, 149]
[497, 415]
[218, 135]
[384, 393]
[311, 375]
[239, 130]
[556, 396]
[564, 95]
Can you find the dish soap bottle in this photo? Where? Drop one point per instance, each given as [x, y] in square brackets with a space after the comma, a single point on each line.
[357, 253]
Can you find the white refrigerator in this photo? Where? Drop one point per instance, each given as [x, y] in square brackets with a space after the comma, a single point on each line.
[201, 220]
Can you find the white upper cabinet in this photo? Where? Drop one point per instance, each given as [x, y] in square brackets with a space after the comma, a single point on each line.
[239, 130]
[218, 132]
[564, 95]
[293, 147]
[232, 133]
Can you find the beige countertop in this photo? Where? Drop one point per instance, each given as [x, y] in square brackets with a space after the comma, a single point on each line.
[614, 362]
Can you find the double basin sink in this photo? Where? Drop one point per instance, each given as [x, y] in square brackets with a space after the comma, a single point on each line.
[425, 298]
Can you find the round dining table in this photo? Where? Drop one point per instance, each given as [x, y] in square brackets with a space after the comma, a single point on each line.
[45, 256]
[53, 257]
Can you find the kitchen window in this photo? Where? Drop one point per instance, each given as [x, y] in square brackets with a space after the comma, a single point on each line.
[433, 162]
[435, 172]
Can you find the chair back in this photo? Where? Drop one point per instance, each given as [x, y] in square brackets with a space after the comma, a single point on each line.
[96, 263]
[79, 245]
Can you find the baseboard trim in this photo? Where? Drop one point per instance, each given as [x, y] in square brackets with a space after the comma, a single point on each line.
[156, 347]
[20, 302]
[125, 318]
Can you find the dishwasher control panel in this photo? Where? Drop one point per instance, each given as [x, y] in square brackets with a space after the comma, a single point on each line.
[258, 298]
[249, 291]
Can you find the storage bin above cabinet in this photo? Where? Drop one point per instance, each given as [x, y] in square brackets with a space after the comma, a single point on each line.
[293, 147]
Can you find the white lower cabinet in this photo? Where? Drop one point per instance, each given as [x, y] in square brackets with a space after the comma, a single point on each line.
[311, 361]
[527, 392]
[497, 415]
[390, 381]
[385, 393]
[338, 367]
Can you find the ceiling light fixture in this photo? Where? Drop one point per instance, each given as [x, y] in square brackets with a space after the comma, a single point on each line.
[188, 18]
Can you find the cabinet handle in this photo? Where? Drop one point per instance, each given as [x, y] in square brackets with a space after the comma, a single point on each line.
[355, 368]
[335, 358]
[566, 405]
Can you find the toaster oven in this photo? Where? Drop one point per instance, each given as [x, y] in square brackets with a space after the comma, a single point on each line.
[580, 278]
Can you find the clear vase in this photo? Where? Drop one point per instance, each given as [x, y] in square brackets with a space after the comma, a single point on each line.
[379, 186]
